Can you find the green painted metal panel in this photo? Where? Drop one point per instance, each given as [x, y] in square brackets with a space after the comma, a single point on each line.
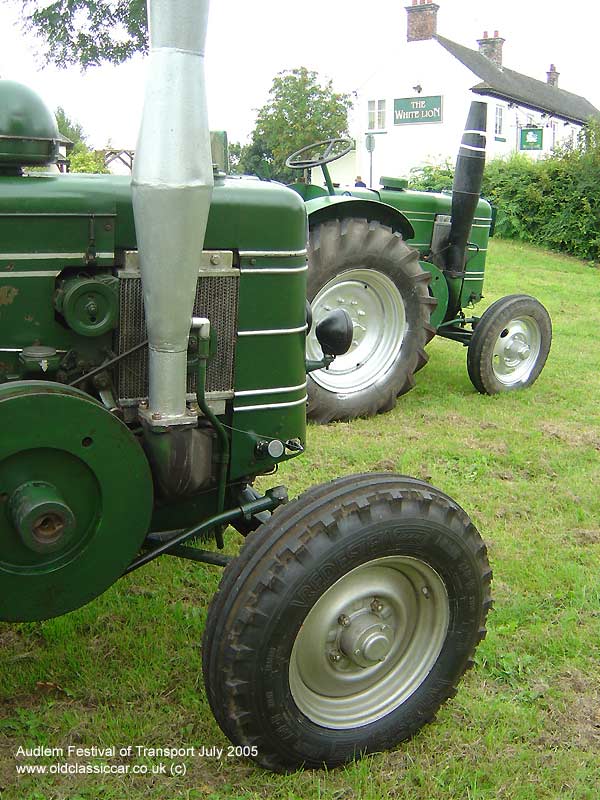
[439, 289]
[343, 207]
[252, 215]
[272, 360]
[250, 427]
[270, 377]
[245, 213]
[421, 209]
[280, 297]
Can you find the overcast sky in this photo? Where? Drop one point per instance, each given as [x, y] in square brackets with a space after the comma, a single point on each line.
[345, 40]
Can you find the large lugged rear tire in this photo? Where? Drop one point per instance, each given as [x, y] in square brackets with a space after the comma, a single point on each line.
[346, 621]
[510, 345]
[370, 271]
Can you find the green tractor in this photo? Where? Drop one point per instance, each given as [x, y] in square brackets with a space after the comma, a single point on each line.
[150, 372]
[406, 265]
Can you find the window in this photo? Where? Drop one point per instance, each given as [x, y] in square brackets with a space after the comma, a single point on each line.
[381, 114]
[499, 121]
[376, 115]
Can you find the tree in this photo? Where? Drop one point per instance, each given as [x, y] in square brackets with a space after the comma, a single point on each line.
[69, 128]
[88, 32]
[300, 110]
[84, 160]
[255, 158]
[81, 158]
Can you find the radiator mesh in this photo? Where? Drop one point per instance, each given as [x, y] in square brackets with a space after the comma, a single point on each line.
[216, 299]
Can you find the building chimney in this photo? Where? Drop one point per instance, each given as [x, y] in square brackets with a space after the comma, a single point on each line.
[491, 47]
[552, 76]
[422, 20]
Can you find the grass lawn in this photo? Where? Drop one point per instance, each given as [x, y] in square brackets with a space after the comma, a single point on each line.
[525, 725]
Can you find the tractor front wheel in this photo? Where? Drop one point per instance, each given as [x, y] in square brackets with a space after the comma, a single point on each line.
[367, 269]
[346, 622]
[510, 345]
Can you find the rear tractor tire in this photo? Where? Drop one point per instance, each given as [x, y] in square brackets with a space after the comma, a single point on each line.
[346, 622]
[368, 269]
[510, 345]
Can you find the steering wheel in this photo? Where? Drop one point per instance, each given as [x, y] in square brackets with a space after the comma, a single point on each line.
[325, 153]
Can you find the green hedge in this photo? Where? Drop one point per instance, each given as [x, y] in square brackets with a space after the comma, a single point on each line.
[553, 202]
[432, 177]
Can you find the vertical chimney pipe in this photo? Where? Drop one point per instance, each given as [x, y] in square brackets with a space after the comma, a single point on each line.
[172, 188]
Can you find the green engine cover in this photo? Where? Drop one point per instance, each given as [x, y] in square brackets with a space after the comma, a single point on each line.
[75, 499]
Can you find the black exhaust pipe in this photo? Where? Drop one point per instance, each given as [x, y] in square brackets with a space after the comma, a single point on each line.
[466, 189]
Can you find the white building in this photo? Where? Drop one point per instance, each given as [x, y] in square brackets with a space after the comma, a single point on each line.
[415, 108]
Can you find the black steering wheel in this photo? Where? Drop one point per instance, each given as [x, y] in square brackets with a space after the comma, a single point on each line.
[326, 152]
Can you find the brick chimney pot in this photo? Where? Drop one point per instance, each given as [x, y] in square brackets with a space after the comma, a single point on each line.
[552, 76]
[421, 20]
[491, 47]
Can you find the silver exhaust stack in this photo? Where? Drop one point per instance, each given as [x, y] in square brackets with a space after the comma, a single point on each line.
[172, 188]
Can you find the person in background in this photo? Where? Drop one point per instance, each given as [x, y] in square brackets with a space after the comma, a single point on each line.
[359, 182]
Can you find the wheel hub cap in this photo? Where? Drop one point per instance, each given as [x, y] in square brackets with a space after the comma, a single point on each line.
[369, 642]
[379, 321]
[366, 640]
[516, 351]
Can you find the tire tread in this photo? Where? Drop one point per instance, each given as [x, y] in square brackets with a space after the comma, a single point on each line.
[268, 552]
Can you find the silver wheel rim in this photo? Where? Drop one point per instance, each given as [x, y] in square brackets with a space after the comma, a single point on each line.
[379, 321]
[516, 350]
[369, 642]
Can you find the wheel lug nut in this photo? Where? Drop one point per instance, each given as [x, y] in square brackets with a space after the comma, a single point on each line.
[335, 657]
[425, 591]
[376, 605]
[344, 620]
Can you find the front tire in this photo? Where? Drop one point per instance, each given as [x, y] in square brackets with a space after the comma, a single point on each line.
[510, 345]
[370, 271]
[346, 621]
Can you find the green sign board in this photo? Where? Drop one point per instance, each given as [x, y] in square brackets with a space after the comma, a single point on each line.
[417, 109]
[531, 139]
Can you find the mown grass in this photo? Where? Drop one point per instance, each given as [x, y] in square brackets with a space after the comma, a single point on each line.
[525, 724]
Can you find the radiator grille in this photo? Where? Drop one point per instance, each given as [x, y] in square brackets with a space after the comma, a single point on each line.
[216, 298]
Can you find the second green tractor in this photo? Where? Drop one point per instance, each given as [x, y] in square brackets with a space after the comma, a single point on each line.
[407, 266]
